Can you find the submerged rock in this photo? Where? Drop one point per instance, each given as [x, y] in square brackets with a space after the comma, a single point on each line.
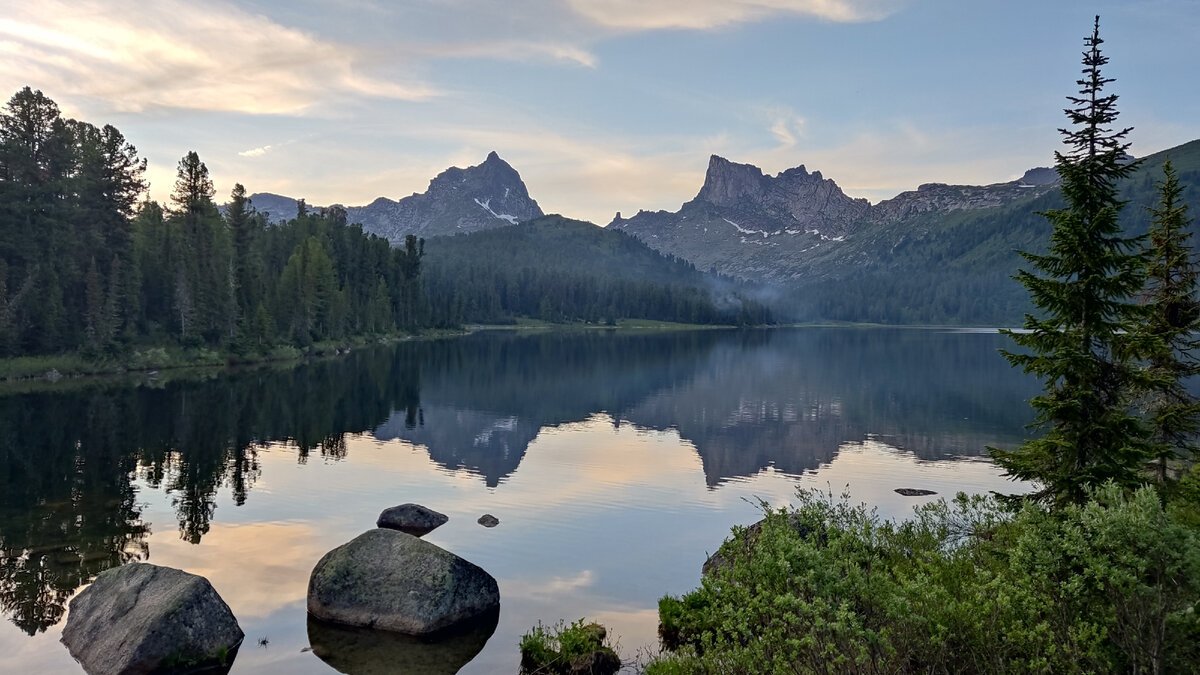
[141, 618]
[412, 519]
[389, 580]
[488, 520]
[914, 492]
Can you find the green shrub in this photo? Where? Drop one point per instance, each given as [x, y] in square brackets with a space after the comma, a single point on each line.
[963, 586]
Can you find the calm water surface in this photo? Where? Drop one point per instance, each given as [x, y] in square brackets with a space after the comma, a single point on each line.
[614, 462]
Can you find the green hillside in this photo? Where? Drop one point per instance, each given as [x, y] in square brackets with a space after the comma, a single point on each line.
[559, 269]
[956, 267]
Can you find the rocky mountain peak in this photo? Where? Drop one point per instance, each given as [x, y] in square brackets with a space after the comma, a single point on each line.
[726, 183]
[1040, 176]
[489, 194]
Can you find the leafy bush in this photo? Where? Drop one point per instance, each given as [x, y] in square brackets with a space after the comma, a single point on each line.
[964, 586]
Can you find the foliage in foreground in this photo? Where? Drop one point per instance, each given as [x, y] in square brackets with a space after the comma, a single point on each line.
[1110, 585]
[568, 649]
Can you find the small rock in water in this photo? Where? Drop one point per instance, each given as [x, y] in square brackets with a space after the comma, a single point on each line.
[914, 492]
[411, 519]
[488, 520]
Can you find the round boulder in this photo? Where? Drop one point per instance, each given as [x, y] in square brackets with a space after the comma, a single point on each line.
[488, 520]
[411, 519]
[389, 580]
[142, 618]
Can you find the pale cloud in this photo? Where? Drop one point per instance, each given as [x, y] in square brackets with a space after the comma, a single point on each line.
[705, 14]
[136, 56]
[255, 152]
[507, 50]
[785, 126]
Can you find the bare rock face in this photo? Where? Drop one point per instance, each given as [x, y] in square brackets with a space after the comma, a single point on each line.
[388, 580]
[489, 194]
[795, 199]
[944, 198]
[411, 519]
[479, 197]
[141, 618]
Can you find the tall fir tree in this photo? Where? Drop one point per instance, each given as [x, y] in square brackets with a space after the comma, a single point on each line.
[1173, 321]
[1085, 343]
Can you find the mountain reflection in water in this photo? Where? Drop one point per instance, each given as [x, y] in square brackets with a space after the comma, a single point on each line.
[72, 457]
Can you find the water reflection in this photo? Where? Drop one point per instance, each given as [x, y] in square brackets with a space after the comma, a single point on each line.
[361, 651]
[745, 400]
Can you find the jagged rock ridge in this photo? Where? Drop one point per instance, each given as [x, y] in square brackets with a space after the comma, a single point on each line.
[782, 228]
[490, 194]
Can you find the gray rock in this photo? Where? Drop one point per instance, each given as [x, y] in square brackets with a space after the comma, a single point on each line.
[142, 618]
[390, 580]
[411, 519]
[914, 492]
[488, 520]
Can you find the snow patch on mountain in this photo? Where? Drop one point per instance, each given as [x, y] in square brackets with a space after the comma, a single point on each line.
[502, 216]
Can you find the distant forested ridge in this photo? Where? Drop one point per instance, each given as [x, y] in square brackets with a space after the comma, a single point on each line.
[558, 269]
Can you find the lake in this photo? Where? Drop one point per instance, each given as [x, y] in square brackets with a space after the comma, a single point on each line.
[614, 461]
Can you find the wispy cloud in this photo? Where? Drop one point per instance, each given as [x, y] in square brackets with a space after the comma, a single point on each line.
[704, 14]
[785, 125]
[255, 152]
[179, 55]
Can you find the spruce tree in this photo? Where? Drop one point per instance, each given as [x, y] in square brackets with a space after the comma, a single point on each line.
[1173, 413]
[1084, 344]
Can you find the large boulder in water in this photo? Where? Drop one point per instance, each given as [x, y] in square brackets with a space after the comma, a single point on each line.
[141, 618]
[389, 580]
[411, 519]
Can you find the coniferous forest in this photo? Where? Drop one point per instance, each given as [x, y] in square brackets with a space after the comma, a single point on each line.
[89, 264]
[86, 264]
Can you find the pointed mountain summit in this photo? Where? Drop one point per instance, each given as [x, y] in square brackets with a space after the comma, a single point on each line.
[490, 194]
[479, 197]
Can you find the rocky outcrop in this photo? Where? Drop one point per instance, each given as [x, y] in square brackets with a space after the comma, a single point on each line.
[797, 199]
[411, 519]
[490, 194]
[388, 580]
[143, 618]
[798, 225]
[488, 520]
[945, 198]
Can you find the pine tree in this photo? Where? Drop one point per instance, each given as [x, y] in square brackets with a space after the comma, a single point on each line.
[1173, 413]
[1084, 344]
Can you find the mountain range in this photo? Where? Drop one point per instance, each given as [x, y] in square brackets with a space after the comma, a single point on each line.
[938, 254]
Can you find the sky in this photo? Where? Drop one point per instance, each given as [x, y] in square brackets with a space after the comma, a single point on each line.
[601, 105]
